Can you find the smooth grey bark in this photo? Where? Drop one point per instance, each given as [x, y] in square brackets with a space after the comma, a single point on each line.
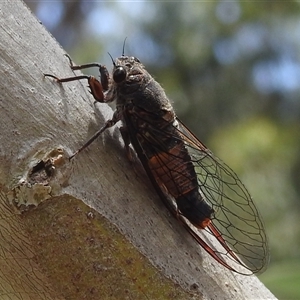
[39, 116]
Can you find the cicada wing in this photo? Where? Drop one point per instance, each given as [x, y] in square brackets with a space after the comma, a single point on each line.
[237, 224]
[235, 237]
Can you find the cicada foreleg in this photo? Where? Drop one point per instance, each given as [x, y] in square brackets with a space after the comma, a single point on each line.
[97, 88]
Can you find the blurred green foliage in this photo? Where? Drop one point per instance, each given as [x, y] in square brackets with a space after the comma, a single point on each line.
[233, 71]
[283, 279]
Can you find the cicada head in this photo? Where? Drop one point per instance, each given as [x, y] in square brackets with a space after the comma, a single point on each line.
[128, 70]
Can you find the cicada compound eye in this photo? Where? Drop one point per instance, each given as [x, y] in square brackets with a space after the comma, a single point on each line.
[119, 74]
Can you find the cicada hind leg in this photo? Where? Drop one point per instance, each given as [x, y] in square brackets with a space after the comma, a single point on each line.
[126, 139]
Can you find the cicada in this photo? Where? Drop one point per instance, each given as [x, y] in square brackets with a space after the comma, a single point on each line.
[200, 190]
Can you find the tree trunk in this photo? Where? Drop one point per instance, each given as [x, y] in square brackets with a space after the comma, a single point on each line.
[92, 228]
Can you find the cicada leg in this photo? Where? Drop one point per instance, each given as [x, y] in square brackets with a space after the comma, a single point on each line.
[97, 88]
[126, 139]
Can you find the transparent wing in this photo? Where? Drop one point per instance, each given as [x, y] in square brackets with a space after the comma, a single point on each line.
[236, 224]
[235, 237]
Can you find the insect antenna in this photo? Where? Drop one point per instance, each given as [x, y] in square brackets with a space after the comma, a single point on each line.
[112, 60]
[124, 46]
